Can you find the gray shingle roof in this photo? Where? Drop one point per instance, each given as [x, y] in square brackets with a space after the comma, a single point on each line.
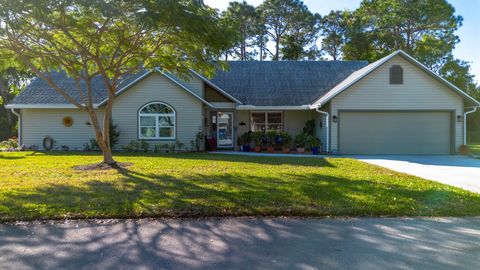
[39, 92]
[287, 83]
[265, 83]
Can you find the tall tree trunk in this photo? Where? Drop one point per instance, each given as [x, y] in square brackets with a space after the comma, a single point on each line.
[101, 136]
[277, 49]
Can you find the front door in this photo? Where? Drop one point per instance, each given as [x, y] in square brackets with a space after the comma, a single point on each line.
[224, 129]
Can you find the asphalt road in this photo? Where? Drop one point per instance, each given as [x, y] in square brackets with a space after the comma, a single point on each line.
[279, 243]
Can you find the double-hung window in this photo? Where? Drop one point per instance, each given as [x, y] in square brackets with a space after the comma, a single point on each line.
[156, 121]
[266, 121]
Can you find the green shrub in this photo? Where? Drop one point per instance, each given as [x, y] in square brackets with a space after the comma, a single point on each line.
[314, 141]
[114, 138]
[136, 146]
[257, 137]
[9, 144]
[198, 141]
[286, 139]
[245, 138]
[309, 128]
[271, 137]
[179, 145]
[301, 140]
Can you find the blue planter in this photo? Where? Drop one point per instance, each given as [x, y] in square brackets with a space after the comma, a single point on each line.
[315, 150]
[246, 148]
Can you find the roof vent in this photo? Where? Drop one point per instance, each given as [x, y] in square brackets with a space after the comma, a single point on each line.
[396, 74]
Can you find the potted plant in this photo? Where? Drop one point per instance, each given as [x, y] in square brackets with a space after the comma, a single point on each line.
[464, 150]
[211, 144]
[271, 141]
[301, 142]
[257, 139]
[315, 145]
[286, 142]
[241, 143]
[244, 141]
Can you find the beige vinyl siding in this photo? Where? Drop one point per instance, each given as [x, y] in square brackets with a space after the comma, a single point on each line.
[294, 121]
[39, 123]
[195, 84]
[419, 91]
[189, 116]
[243, 116]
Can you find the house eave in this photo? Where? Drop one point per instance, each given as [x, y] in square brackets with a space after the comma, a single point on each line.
[46, 106]
[214, 86]
[272, 108]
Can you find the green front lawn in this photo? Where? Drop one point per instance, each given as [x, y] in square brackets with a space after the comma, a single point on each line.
[475, 148]
[45, 185]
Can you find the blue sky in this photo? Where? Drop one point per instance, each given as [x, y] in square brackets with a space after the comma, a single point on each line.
[468, 49]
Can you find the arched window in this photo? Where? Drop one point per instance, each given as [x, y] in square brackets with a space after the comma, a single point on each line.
[156, 120]
[396, 74]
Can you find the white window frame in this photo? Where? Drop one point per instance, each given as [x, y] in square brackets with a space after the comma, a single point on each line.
[266, 119]
[157, 125]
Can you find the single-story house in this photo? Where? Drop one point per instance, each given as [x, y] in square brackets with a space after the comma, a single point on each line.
[392, 106]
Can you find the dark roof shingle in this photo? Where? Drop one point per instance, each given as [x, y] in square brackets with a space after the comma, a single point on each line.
[39, 92]
[283, 83]
[259, 83]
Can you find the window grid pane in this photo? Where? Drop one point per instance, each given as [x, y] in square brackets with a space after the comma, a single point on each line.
[148, 132]
[266, 121]
[157, 121]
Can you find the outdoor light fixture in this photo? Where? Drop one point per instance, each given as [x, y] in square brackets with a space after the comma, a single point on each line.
[459, 118]
[334, 119]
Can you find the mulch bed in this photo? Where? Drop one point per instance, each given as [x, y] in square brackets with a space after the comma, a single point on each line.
[103, 166]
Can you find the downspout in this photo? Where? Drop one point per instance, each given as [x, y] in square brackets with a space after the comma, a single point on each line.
[327, 125]
[465, 124]
[19, 126]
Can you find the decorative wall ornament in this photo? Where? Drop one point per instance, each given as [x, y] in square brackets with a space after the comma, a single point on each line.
[67, 121]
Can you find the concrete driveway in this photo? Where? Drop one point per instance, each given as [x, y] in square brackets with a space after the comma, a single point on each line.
[459, 171]
[263, 243]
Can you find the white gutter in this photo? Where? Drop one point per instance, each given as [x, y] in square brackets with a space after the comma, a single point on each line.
[45, 106]
[327, 125]
[465, 123]
[272, 108]
[19, 126]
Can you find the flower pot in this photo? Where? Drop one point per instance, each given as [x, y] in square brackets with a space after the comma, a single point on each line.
[315, 150]
[286, 150]
[464, 150]
[246, 148]
[300, 150]
[270, 149]
[258, 149]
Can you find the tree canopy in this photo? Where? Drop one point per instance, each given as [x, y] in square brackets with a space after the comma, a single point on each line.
[110, 39]
[245, 21]
[292, 28]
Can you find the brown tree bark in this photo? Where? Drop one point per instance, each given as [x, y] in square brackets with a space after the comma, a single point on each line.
[100, 136]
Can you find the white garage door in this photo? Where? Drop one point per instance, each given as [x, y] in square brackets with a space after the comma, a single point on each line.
[422, 133]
